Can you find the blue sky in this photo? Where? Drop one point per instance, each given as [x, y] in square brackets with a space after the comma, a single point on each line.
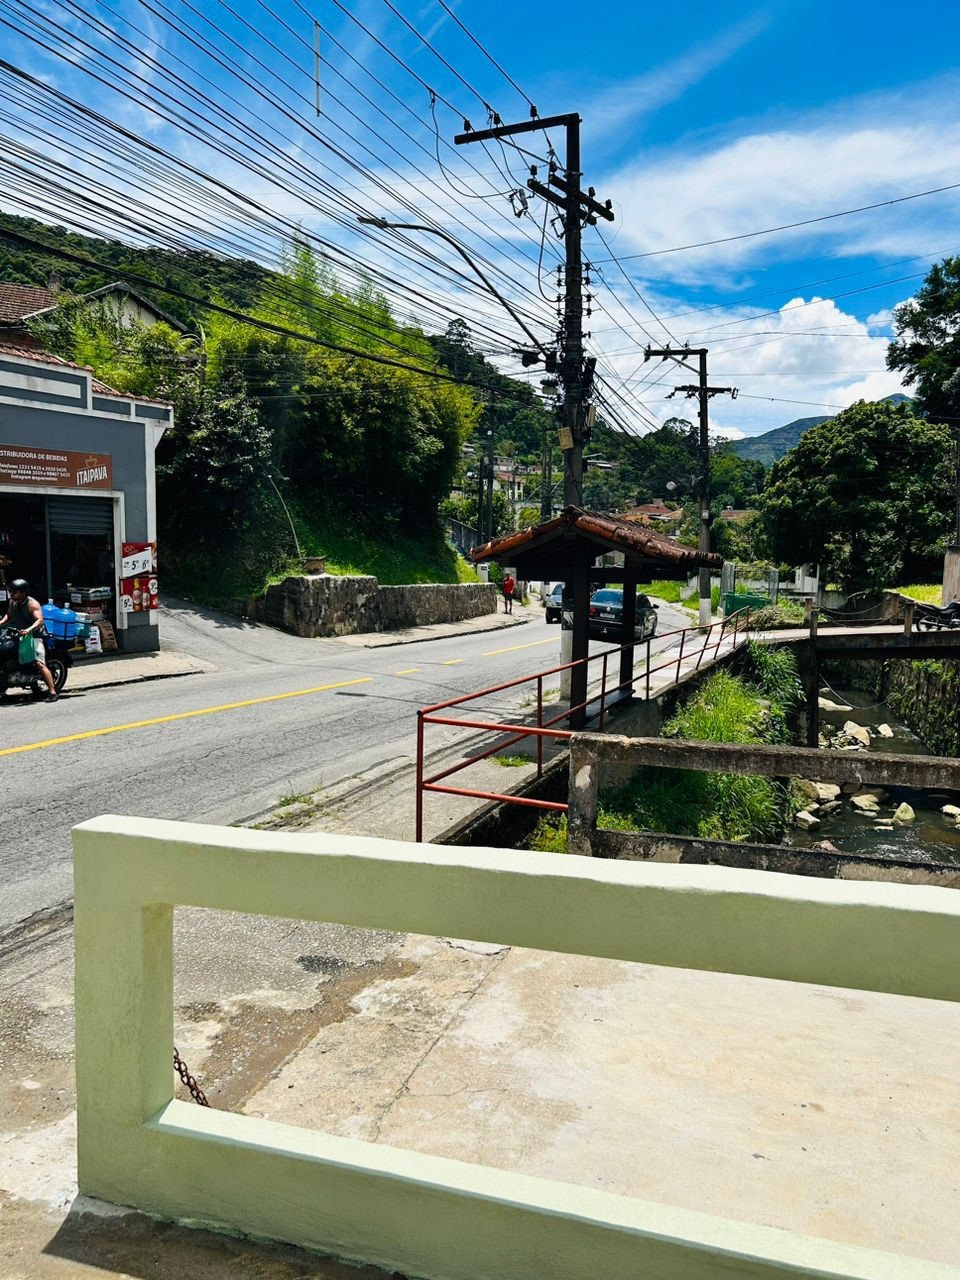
[700, 125]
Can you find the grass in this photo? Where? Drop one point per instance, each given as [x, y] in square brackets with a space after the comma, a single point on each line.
[392, 558]
[512, 762]
[285, 801]
[773, 617]
[925, 592]
[719, 806]
[665, 590]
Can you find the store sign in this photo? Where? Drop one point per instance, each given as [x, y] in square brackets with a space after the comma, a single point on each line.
[138, 577]
[52, 468]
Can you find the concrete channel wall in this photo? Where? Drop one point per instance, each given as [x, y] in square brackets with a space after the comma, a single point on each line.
[601, 760]
[325, 604]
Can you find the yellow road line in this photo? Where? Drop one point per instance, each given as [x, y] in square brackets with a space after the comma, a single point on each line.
[406, 671]
[179, 715]
[451, 662]
[510, 648]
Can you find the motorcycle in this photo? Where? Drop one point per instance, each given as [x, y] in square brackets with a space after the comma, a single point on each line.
[17, 675]
[931, 617]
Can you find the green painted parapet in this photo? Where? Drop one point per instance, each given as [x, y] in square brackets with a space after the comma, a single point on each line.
[425, 1215]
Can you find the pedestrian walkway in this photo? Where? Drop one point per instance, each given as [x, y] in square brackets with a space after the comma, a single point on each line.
[446, 630]
[131, 668]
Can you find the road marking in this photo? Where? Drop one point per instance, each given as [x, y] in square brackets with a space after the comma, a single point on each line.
[451, 662]
[406, 671]
[179, 715]
[532, 645]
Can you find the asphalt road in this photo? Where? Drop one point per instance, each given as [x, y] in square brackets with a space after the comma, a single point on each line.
[279, 716]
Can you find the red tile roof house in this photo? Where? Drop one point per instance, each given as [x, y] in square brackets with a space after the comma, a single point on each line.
[22, 303]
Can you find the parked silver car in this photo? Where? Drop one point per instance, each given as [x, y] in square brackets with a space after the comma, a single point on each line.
[554, 603]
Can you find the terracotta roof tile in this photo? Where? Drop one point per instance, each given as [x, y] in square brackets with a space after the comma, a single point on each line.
[19, 300]
[614, 530]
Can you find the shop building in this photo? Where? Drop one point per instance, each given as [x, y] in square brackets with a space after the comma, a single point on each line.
[78, 512]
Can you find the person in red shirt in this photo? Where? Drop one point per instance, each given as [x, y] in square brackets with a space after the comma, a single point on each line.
[508, 587]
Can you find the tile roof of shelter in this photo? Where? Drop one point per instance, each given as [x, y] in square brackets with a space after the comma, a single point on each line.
[605, 532]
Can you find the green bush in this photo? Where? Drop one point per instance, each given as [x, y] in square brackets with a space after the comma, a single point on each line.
[719, 806]
[774, 617]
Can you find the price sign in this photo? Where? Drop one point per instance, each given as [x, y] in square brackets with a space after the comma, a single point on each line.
[138, 558]
[139, 562]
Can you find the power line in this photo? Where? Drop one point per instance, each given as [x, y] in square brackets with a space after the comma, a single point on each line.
[790, 226]
[489, 56]
[231, 313]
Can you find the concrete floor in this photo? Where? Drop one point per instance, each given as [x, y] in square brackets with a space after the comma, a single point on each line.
[822, 1111]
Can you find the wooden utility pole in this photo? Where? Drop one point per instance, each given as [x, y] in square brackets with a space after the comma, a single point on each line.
[704, 394]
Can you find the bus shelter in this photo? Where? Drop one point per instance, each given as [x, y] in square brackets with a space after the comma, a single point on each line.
[576, 548]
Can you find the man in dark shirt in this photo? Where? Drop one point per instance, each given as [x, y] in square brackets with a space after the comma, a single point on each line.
[24, 613]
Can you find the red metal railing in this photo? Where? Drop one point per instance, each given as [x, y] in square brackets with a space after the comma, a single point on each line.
[734, 628]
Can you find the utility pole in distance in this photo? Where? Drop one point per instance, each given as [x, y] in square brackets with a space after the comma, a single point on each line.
[577, 208]
[704, 394]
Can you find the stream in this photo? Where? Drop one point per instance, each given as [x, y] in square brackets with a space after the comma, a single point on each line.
[931, 837]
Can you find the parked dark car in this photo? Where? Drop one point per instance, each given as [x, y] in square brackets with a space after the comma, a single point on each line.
[554, 603]
[606, 612]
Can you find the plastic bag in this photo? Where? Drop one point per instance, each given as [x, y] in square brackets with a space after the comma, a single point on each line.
[92, 643]
[27, 651]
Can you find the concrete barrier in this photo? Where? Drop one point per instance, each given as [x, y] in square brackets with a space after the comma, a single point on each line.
[424, 1215]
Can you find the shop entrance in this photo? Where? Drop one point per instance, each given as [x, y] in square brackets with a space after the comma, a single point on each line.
[58, 543]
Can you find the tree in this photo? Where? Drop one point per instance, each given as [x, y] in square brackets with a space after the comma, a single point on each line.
[927, 348]
[734, 481]
[867, 495]
[605, 491]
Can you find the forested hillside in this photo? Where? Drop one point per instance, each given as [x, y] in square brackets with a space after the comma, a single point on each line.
[360, 447]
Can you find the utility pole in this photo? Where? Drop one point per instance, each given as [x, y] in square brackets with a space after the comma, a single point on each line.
[546, 479]
[704, 394]
[489, 528]
[577, 208]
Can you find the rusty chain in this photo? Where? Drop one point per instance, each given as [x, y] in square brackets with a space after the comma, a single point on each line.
[196, 1093]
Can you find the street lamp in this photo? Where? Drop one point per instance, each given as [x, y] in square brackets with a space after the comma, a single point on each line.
[437, 231]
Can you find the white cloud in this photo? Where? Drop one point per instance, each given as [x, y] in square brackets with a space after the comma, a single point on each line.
[809, 358]
[648, 92]
[862, 154]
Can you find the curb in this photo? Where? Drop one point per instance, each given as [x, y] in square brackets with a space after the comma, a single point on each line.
[446, 635]
[116, 684]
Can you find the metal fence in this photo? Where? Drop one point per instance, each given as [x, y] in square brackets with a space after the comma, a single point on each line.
[696, 646]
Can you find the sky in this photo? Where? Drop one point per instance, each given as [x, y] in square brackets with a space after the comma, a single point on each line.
[708, 124]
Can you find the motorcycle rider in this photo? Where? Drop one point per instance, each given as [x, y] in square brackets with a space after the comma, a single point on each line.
[25, 613]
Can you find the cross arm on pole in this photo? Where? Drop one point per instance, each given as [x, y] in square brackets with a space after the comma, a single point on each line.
[524, 126]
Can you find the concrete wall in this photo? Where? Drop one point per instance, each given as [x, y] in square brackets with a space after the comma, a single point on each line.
[424, 1215]
[645, 846]
[327, 605]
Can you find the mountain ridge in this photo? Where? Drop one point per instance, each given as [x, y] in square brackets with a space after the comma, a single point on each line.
[770, 446]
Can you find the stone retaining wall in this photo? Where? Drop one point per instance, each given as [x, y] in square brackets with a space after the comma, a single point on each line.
[328, 605]
[925, 694]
